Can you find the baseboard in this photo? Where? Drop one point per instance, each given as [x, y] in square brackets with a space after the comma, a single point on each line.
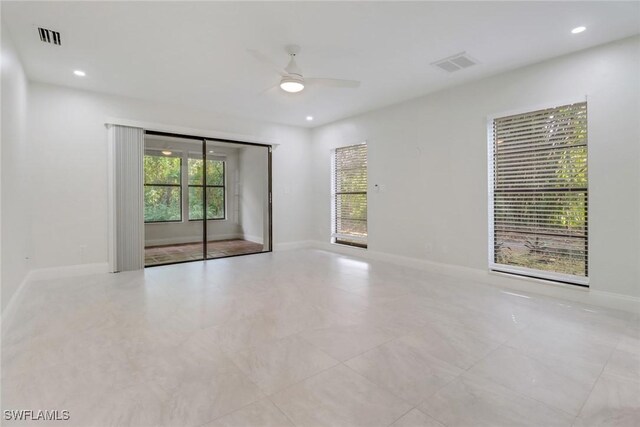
[505, 281]
[68, 271]
[190, 239]
[254, 239]
[48, 273]
[534, 286]
[11, 307]
[287, 246]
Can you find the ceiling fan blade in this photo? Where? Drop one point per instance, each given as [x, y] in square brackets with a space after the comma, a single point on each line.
[265, 60]
[269, 89]
[351, 84]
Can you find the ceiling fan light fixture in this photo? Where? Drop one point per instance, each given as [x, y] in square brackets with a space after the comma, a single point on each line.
[291, 84]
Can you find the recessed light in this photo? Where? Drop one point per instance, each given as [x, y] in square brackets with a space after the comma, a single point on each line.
[578, 30]
[167, 152]
[79, 73]
[309, 118]
[211, 151]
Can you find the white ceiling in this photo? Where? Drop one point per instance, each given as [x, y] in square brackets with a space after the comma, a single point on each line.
[194, 53]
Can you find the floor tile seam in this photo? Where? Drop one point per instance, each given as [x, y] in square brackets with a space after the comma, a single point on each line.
[517, 393]
[337, 362]
[207, 329]
[593, 386]
[376, 346]
[376, 328]
[371, 304]
[381, 386]
[58, 337]
[430, 414]
[518, 332]
[620, 377]
[359, 311]
[50, 366]
[116, 390]
[554, 358]
[271, 395]
[621, 342]
[523, 324]
[493, 343]
[481, 359]
[281, 410]
[405, 413]
[598, 341]
[263, 396]
[32, 372]
[133, 359]
[423, 401]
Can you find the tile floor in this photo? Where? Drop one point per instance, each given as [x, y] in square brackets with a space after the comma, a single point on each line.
[310, 338]
[158, 255]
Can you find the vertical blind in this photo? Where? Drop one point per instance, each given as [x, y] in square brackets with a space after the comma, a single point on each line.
[540, 194]
[350, 195]
[127, 145]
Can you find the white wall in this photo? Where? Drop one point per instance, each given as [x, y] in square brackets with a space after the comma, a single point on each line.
[254, 194]
[69, 168]
[15, 199]
[430, 154]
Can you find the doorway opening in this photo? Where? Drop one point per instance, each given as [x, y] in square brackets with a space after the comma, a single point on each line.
[205, 198]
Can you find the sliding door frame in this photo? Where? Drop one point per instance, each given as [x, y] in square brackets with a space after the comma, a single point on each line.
[205, 237]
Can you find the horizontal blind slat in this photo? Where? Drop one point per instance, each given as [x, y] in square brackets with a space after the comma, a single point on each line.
[539, 179]
[350, 194]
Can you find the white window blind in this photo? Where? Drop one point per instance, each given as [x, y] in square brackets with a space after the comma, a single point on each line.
[350, 195]
[126, 225]
[539, 194]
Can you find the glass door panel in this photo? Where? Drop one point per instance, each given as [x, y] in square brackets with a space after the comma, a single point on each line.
[170, 234]
[237, 199]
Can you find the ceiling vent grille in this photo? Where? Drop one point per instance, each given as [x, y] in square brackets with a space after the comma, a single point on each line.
[49, 36]
[455, 62]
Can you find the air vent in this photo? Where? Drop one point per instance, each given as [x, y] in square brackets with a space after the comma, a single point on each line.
[455, 62]
[49, 36]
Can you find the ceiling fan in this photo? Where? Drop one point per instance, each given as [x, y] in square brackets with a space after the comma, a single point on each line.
[292, 79]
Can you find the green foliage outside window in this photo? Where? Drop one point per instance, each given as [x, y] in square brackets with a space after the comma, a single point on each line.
[544, 228]
[162, 191]
[215, 189]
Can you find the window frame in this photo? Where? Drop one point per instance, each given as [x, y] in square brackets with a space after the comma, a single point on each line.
[335, 236]
[206, 186]
[164, 185]
[525, 272]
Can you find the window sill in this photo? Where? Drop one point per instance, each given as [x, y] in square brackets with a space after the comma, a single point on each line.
[347, 245]
[164, 222]
[561, 284]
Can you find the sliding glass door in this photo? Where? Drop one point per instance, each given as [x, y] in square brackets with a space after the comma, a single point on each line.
[237, 197]
[205, 199]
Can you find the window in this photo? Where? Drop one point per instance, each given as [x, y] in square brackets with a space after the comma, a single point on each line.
[162, 188]
[214, 186]
[350, 196]
[539, 193]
